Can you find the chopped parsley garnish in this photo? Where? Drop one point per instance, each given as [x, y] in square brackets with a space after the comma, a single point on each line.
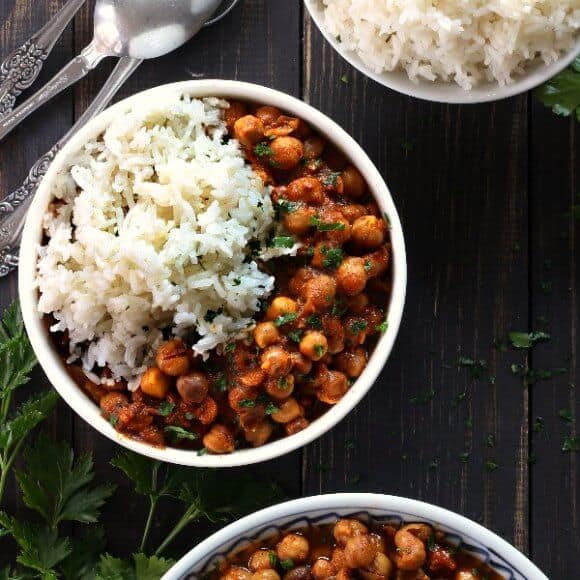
[113, 420]
[368, 265]
[319, 350]
[358, 326]
[221, 385]
[262, 149]
[247, 403]
[431, 543]
[236, 281]
[271, 409]
[295, 335]
[203, 451]
[571, 443]
[230, 347]
[189, 416]
[285, 318]
[326, 226]
[273, 559]
[527, 339]
[165, 408]
[314, 321]
[180, 432]
[538, 425]
[211, 315]
[339, 307]
[562, 92]
[490, 440]
[331, 178]
[287, 564]
[286, 206]
[382, 327]
[332, 257]
[491, 465]
[283, 241]
[282, 383]
[477, 366]
[464, 457]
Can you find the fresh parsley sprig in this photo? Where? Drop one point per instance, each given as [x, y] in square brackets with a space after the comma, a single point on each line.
[562, 93]
[17, 360]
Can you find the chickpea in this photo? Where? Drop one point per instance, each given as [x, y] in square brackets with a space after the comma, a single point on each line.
[280, 306]
[206, 413]
[276, 361]
[235, 111]
[344, 574]
[265, 575]
[306, 189]
[322, 568]
[380, 568]
[280, 388]
[320, 291]
[286, 152]
[351, 276]
[314, 147]
[288, 411]
[301, 364]
[298, 281]
[193, 387]
[410, 553]
[377, 262]
[347, 528]
[293, 547]
[266, 334]
[155, 384]
[298, 221]
[353, 182]
[334, 331]
[299, 573]
[268, 115]
[172, 358]
[111, 403]
[357, 303]
[422, 531]
[368, 232]
[353, 211]
[335, 159]
[251, 377]
[359, 551]
[260, 434]
[337, 559]
[260, 560]
[295, 426]
[249, 130]
[314, 345]
[236, 573]
[333, 388]
[465, 575]
[351, 362]
[237, 395]
[219, 439]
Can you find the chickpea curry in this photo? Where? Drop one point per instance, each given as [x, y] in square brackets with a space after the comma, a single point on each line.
[351, 549]
[312, 338]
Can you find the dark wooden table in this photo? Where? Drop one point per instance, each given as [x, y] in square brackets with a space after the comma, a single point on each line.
[486, 195]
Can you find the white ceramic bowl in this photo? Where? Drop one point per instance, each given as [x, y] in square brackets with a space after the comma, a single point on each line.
[51, 362]
[300, 513]
[442, 92]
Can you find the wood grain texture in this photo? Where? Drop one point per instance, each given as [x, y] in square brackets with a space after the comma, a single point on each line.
[555, 260]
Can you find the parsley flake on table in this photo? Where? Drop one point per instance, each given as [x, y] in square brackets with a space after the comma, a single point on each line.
[571, 443]
[527, 339]
[562, 93]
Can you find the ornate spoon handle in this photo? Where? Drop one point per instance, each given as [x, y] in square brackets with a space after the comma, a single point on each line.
[21, 67]
[14, 206]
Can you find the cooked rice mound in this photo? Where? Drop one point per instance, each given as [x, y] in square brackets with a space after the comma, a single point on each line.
[466, 41]
[156, 230]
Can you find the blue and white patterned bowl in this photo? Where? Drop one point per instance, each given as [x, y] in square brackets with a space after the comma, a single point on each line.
[301, 513]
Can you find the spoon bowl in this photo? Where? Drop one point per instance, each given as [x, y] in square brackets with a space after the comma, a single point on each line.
[148, 28]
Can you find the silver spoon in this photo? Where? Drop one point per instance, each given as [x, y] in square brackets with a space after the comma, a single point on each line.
[14, 206]
[137, 29]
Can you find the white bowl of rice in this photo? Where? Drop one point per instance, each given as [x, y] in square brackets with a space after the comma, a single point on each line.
[173, 298]
[453, 51]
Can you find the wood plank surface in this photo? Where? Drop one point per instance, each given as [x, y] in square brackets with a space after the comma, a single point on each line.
[486, 195]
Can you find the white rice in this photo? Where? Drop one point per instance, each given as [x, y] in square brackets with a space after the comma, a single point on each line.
[163, 211]
[466, 41]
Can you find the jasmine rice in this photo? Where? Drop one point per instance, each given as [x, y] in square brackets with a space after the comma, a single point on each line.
[464, 41]
[151, 231]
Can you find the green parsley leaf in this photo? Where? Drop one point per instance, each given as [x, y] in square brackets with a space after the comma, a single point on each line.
[56, 485]
[165, 408]
[285, 318]
[562, 93]
[382, 327]
[230, 347]
[431, 542]
[85, 551]
[221, 385]
[273, 559]
[247, 403]
[314, 321]
[332, 257]
[287, 564]
[319, 350]
[464, 457]
[180, 432]
[286, 206]
[358, 326]
[295, 335]
[283, 242]
[326, 226]
[490, 440]
[368, 265]
[211, 315]
[262, 149]
[527, 339]
[150, 567]
[330, 179]
[271, 409]
[236, 282]
[491, 465]
[339, 307]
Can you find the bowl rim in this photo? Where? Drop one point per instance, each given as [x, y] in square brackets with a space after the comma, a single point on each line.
[441, 92]
[51, 362]
[355, 501]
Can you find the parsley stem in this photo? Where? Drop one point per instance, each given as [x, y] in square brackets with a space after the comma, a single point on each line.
[5, 464]
[152, 507]
[192, 513]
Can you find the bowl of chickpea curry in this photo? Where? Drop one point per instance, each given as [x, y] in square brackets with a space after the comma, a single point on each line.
[319, 338]
[354, 536]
